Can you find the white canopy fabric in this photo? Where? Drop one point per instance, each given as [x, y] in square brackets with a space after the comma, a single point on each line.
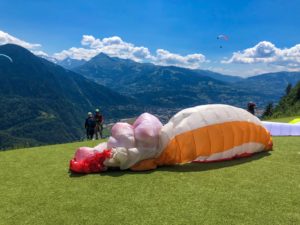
[282, 129]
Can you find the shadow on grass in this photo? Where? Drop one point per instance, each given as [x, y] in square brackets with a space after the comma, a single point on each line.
[189, 167]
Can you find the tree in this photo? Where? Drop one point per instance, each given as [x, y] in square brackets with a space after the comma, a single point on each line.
[269, 110]
[298, 94]
[288, 88]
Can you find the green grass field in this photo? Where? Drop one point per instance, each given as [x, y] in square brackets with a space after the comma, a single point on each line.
[36, 188]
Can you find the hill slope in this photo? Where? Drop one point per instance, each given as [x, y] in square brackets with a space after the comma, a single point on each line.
[289, 104]
[41, 102]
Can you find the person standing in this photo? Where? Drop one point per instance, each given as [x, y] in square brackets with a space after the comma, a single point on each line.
[99, 124]
[251, 107]
[90, 124]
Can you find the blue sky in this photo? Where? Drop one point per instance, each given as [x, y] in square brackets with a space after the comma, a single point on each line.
[268, 29]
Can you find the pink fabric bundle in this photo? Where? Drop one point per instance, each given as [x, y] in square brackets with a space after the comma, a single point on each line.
[143, 135]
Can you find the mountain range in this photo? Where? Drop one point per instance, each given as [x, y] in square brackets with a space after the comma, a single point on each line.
[44, 102]
[69, 63]
[41, 102]
[175, 87]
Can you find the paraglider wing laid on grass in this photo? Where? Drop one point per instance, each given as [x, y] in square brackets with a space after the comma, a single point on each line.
[205, 133]
[295, 121]
[282, 129]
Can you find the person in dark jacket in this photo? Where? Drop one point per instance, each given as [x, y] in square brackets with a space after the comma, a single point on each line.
[99, 123]
[251, 107]
[90, 124]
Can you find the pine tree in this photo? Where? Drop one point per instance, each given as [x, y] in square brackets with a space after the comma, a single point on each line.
[298, 94]
[268, 111]
[288, 88]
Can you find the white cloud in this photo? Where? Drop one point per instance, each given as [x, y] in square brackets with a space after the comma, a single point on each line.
[76, 53]
[89, 40]
[114, 46]
[6, 38]
[115, 40]
[266, 52]
[266, 56]
[164, 57]
[40, 53]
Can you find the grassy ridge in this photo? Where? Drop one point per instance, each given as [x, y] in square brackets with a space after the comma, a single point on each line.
[36, 188]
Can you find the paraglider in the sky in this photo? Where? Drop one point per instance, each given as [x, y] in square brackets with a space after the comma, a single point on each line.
[222, 37]
[205, 133]
[7, 57]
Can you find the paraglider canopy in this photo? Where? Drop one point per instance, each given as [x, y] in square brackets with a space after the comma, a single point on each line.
[295, 121]
[222, 37]
[7, 57]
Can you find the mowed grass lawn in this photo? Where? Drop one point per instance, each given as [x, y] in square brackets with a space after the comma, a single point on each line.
[36, 188]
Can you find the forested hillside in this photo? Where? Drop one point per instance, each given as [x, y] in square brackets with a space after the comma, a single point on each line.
[289, 104]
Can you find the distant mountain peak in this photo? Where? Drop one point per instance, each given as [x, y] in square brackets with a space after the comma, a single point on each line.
[70, 63]
[101, 56]
[9, 45]
[14, 49]
[19, 54]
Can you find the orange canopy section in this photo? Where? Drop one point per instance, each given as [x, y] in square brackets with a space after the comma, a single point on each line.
[209, 133]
